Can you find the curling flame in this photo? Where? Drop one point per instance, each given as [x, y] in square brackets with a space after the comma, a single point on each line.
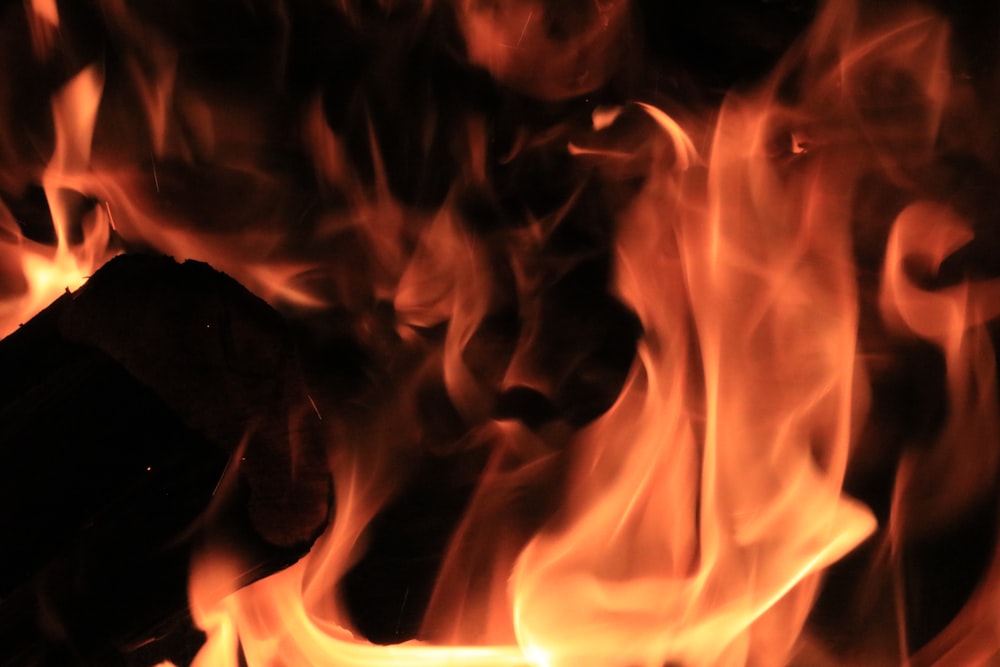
[48, 272]
[703, 506]
[291, 617]
[708, 554]
[960, 469]
[692, 521]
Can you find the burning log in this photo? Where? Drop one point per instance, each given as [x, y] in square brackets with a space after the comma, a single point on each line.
[152, 412]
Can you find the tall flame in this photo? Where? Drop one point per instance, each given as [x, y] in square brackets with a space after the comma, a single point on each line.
[702, 508]
[693, 520]
[47, 271]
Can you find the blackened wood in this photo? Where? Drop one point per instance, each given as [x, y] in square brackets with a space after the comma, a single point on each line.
[122, 407]
[222, 360]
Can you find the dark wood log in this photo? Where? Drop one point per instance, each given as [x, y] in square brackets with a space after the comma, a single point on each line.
[122, 408]
[223, 361]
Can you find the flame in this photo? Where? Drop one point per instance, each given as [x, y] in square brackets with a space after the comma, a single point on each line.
[938, 485]
[699, 512]
[532, 47]
[292, 616]
[706, 552]
[694, 519]
[47, 272]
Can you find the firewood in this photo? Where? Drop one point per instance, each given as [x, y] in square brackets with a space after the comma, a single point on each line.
[141, 418]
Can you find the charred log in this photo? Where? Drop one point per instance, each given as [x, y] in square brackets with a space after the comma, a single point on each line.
[141, 418]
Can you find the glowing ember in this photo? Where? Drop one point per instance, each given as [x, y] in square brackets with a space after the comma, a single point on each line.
[690, 518]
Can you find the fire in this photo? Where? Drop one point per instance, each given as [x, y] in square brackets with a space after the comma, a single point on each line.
[692, 518]
[47, 271]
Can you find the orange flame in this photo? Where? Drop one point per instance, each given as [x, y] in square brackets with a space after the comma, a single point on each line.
[694, 519]
[699, 513]
[47, 271]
